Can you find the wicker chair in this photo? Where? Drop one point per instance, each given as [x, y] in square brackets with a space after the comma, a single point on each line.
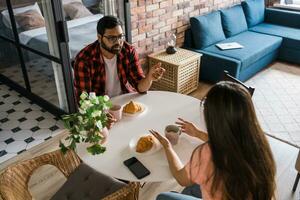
[14, 180]
[228, 77]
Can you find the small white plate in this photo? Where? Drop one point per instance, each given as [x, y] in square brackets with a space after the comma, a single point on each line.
[133, 142]
[143, 110]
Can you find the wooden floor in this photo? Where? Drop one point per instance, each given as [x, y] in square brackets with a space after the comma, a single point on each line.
[47, 180]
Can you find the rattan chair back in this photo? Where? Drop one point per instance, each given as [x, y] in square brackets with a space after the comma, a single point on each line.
[14, 180]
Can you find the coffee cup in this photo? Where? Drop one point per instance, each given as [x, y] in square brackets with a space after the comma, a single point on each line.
[172, 133]
[116, 111]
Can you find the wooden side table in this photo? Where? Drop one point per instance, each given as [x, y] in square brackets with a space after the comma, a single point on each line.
[182, 70]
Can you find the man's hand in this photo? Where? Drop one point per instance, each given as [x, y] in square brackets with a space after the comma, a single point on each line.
[110, 120]
[156, 72]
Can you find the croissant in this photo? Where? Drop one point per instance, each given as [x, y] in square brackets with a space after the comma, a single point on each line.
[144, 144]
[132, 108]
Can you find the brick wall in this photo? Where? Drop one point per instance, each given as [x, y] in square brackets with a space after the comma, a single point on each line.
[152, 21]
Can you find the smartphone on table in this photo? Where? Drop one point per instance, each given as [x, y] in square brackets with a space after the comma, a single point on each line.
[136, 167]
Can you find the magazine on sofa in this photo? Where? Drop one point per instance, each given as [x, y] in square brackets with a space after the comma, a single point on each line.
[230, 45]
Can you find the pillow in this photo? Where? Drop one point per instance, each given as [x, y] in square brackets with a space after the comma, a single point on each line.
[70, 1]
[207, 29]
[76, 10]
[254, 11]
[86, 183]
[30, 19]
[5, 14]
[233, 21]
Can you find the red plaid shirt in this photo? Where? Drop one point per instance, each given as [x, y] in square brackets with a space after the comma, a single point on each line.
[89, 70]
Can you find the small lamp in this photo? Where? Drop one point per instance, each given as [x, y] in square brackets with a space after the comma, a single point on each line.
[171, 45]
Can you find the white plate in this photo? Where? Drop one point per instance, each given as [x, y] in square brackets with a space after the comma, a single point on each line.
[143, 110]
[132, 146]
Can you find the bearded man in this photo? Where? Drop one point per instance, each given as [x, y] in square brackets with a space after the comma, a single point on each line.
[110, 66]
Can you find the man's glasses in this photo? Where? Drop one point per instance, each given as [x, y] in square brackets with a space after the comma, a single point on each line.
[114, 39]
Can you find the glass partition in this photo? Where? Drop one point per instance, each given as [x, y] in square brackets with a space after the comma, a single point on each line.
[46, 79]
[85, 24]
[34, 24]
[5, 29]
[38, 40]
[10, 63]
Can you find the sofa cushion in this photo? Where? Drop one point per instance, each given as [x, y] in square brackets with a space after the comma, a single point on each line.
[86, 183]
[256, 46]
[254, 11]
[233, 21]
[291, 36]
[207, 30]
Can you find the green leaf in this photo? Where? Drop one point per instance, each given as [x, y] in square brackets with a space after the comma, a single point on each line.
[95, 138]
[63, 148]
[72, 145]
[96, 149]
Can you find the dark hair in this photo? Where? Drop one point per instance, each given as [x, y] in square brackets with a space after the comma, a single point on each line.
[107, 22]
[244, 167]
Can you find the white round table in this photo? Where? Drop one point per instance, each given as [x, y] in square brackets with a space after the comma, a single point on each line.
[162, 109]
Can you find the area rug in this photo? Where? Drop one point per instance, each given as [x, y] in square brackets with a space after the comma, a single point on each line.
[277, 101]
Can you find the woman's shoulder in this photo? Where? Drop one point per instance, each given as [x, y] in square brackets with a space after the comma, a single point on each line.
[201, 164]
[204, 148]
[202, 153]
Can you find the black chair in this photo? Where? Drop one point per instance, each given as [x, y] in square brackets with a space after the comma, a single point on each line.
[297, 167]
[228, 77]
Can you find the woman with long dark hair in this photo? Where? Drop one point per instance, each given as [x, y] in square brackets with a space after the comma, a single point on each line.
[235, 162]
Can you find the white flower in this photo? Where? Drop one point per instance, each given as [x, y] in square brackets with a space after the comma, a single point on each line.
[92, 95]
[83, 133]
[84, 95]
[106, 98]
[99, 125]
[86, 104]
[95, 101]
[96, 113]
[83, 106]
[80, 118]
[85, 121]
[81, 111]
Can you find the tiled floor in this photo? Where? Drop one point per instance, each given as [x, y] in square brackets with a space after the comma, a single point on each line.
[23, 124]
[277, 100]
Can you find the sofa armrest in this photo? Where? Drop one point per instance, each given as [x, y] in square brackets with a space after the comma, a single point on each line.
[282, 17]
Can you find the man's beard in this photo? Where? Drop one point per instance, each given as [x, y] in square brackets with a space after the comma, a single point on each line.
[115, 49]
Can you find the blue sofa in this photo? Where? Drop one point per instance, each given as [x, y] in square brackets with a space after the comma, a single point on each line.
[266, 34]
